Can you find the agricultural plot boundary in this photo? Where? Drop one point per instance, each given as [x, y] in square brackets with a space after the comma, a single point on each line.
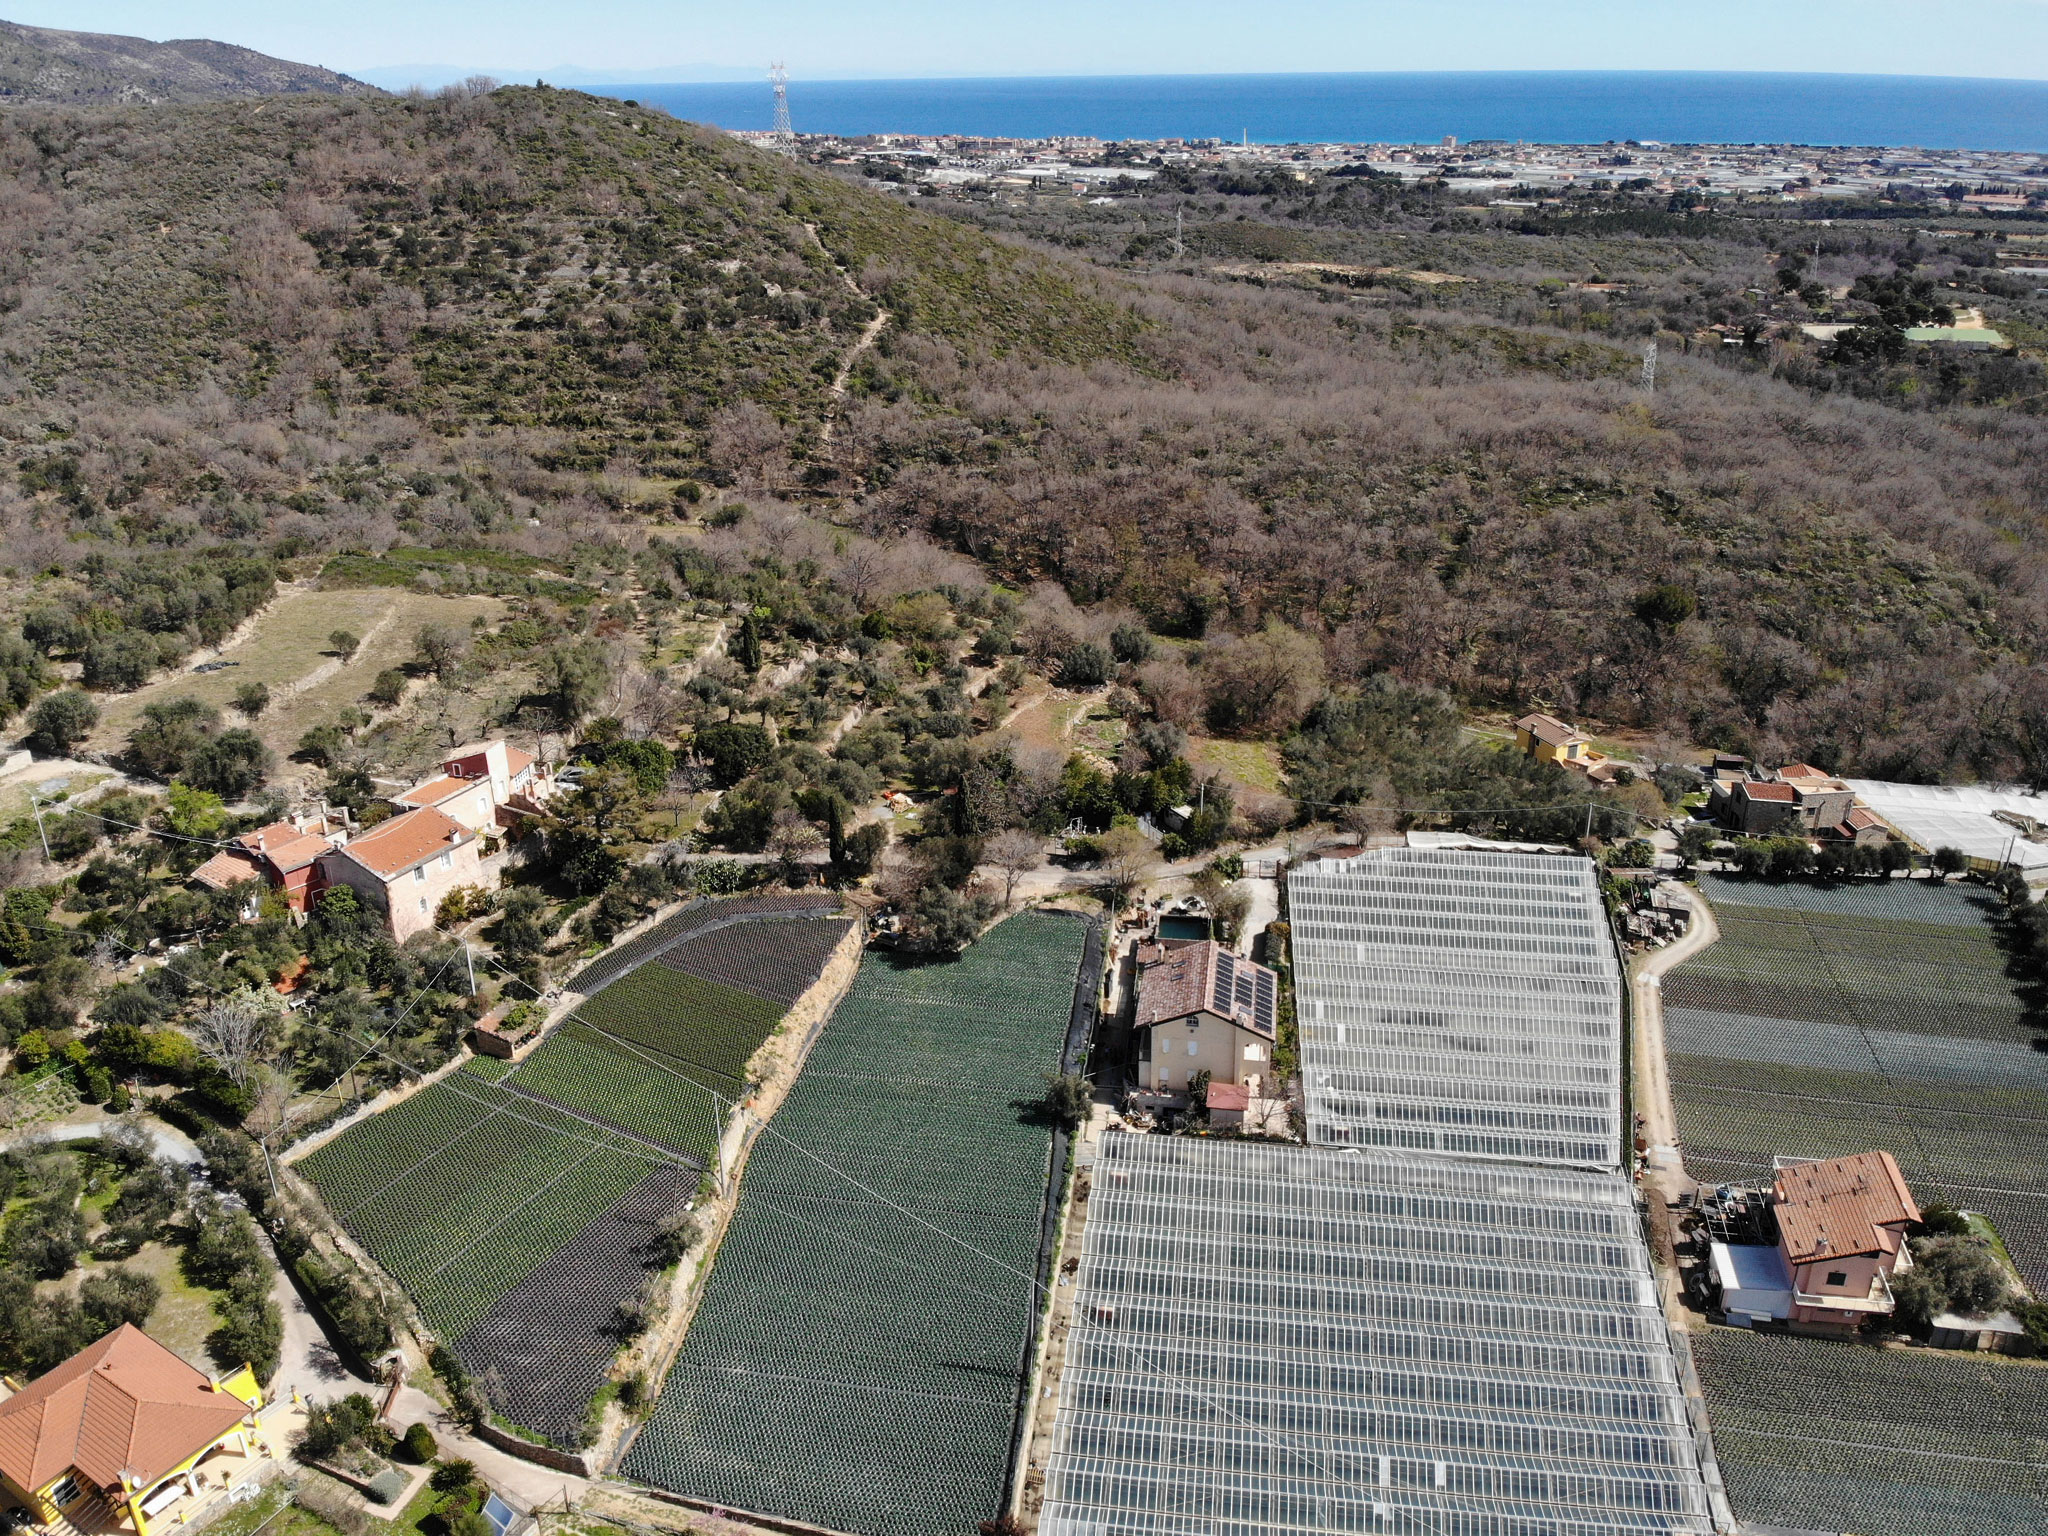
[697, 917]
[1817, 1435]
[1829, 1020]
[857, 1356]
[515, 1203]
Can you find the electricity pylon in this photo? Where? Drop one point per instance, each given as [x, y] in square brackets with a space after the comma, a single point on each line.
[785, 136]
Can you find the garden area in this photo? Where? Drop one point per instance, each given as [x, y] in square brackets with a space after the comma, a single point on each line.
[857, 1356]
[522, 1206]
[101, 1232]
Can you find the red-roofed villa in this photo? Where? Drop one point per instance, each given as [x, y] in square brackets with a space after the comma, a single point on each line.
[1842, 1228]
[122, 1432]
[1202, 1009]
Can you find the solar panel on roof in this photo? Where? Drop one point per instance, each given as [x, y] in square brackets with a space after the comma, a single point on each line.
[1219, 996]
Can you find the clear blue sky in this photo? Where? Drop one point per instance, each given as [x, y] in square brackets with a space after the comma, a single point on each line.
[906, 38]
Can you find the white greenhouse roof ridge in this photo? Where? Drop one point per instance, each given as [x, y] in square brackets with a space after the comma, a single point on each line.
[1960, 816]
[1306, 1340]
[1459, 1001]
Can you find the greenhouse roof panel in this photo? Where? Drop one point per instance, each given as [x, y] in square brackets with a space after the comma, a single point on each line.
[1279, 1339]
[1459, 1001]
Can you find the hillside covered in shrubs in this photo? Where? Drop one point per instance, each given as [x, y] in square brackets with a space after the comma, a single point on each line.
[533, 324]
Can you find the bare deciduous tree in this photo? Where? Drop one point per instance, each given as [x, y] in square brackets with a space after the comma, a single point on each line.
[1128, 859]
[236, 1034]
[1015, 852]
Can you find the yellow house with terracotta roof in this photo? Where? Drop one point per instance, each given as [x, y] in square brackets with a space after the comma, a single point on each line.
[1548, 739]
[118, 1430]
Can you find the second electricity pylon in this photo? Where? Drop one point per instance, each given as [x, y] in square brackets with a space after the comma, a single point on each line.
[1650, 368]
[785, 136]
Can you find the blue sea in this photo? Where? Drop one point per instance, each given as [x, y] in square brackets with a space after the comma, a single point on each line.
[1555, 108]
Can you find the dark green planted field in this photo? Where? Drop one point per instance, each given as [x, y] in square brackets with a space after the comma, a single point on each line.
[1827, 1021]
[1815, 1435]
[857, 1356]
[513, 1201]
[1834, 1020]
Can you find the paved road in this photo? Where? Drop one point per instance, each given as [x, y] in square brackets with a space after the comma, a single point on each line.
[527, 1484]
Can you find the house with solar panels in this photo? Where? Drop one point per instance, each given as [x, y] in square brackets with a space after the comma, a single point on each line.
[1202, 1009]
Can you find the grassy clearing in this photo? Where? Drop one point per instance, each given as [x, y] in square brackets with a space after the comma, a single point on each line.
[1048, 723]
[286, 649]
[14, 799]
[1253, 765]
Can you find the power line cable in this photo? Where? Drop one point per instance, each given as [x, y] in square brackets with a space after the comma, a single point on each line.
[1038, 1287]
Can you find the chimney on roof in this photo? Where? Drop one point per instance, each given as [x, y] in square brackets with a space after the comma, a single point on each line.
[259, 843]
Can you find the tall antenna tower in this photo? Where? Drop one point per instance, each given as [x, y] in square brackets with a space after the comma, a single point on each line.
[785, 136]
[1179, 250]
[1650, 368]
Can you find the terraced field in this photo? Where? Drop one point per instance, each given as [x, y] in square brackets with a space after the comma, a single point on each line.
[858, 1353]
[514, 1202]
[1815, 1435]
[1833, 1020]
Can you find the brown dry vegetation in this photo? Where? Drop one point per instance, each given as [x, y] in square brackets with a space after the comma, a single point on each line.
[354, 325]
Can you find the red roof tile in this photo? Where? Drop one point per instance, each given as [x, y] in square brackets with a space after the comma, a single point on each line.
[285, 847]
[435, 791]
[1229, 1096]
[227, 868]
[1548, 729]
[1760, 791]
[1842, 1206]
[124, 1403]
[1194, 978]
[396, 845]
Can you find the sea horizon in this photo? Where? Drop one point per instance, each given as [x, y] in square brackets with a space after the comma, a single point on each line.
[1935, 112]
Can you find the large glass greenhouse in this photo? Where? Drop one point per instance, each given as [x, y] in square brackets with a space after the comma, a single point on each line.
[1460, 1001]
[1278, 1339]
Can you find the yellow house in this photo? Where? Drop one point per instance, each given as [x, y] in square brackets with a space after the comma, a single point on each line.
[1550, 740]
[115, 1436]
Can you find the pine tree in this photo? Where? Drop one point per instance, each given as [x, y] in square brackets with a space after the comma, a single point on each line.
[835, 833]
[747, 648]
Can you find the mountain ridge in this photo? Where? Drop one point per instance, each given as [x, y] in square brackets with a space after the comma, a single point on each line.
[49, 66]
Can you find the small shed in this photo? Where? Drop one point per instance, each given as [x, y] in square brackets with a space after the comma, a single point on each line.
[1755, 1283]
[1227, 1105]
[1996, 1331]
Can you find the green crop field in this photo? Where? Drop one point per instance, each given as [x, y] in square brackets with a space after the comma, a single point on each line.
[857, 1356]
[474, 1191]
[1828, 1020]
[1833, 1020]
[1815, 1435]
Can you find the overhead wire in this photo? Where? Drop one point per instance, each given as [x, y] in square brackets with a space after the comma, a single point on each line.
[1039, 1288]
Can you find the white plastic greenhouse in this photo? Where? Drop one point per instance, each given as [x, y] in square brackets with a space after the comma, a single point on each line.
[1279, 1339]
[1460, 1001]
